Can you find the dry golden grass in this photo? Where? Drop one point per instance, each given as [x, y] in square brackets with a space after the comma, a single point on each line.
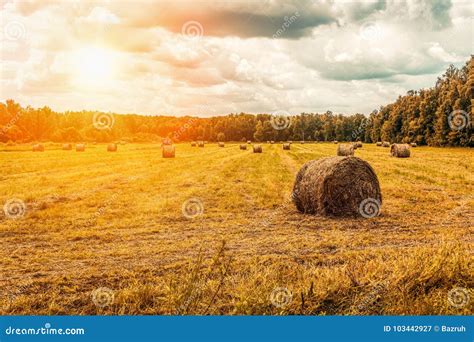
[114, 220]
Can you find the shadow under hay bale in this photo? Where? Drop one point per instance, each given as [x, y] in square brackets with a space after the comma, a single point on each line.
[38, 148]
[168, 151]
[400, 150]
[286, 146]
[345, 150]
[67, 147]
[337, 186]
[112, 148]
[80, 147]
[243, 147]
[385, 144]
[379, 143]
[220, 144]
[257, 148]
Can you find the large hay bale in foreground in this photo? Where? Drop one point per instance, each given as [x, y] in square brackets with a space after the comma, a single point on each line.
[345, 150]
[80, 147]
[112, 148]
[257, 148]
[67, 147]
[337, 186]
[400, 150]
[379, 143]
[168, 151]
[220, 144]
[201, 144]
[413, 145]
[286, 146]
[38, 148]
[243, 146]
[385, 144]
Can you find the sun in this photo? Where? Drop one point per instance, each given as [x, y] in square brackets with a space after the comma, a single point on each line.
[93, 65]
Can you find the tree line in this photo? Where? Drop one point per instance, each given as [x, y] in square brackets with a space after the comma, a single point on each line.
[437, 116]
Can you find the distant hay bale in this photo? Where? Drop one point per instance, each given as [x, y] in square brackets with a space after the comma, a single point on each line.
[337, 186]
[220, 144]
[272, 142]
[413, 145]
[193, 144]
[302, 142]
[358, 144]
[379, 143]
[385, 144]
[257, 148]
[286, 146]
[80, 147]
[336, 142]
[67, 147]
[168, 151]
[290, 142]
[201, 144]
[400, 150]
[38, 148]
[345, 150]
[243, 146]
[249, 142]
[112, 148]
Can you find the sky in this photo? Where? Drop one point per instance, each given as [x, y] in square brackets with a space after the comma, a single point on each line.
[210, 58]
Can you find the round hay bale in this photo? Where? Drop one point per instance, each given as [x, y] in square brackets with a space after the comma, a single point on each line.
[193, 144]
[400, 150]
[385, 144]
[290, 142]
[220, 144]
[243, 146]
[286, 146]
[257, 148]
[67, 147]
[302, 142]
[379, 143]
[336, 142]
[168, 151]
[272, 142]
[337, 186]
[413, 145]
[112, 148]
[358, 144]
[201, 144]
[38, 148]
[249, 142]
[80, 147]
[345, 150]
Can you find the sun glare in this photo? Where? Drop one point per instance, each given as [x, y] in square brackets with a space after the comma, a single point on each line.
[93, 65]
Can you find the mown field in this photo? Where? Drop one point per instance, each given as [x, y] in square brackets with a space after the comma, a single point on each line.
[104, 233]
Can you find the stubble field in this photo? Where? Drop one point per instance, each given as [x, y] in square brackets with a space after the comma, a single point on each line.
[106, 233]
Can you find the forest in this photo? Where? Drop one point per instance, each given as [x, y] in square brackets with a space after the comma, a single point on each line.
[437, 116]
